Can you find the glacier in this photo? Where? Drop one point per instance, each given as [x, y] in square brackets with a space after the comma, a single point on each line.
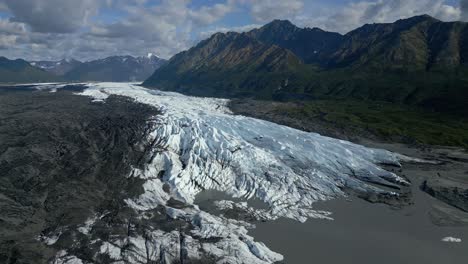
[197, 144]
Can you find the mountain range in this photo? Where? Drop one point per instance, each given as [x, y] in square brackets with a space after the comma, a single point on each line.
[116, 69]
[417, 61]
[59, 68]
[20, 71]
[111, 69]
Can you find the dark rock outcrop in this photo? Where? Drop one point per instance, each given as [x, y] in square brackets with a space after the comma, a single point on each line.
[450, 192]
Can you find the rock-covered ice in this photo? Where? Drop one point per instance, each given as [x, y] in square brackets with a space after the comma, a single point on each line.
[197, 145]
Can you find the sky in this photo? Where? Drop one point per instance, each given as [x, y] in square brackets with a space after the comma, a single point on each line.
[92, 29]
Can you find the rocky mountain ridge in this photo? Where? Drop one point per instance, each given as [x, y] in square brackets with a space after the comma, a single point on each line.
[417, 61]
[59, 68]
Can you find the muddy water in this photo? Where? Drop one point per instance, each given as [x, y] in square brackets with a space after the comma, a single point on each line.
[361, 233]
[364, 233]
[371, 233]
[367, 233]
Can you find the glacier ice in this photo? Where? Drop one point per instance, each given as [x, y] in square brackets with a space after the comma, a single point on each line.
[197, 144]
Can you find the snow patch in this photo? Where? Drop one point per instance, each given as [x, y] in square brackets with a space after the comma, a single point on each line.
[112, 251]
[87, 226]
[51, 239]
[62, 257]
[451, 240]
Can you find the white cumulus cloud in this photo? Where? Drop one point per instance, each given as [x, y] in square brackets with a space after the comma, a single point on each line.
[356, 14]
[53, 16]
[267, 10]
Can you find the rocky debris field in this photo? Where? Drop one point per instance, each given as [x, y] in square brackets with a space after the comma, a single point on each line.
[64, 160]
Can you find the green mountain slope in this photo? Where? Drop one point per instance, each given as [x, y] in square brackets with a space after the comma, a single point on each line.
[230, 64]
[416, 44]
[415, 61]
[20, 71]
[419, 60]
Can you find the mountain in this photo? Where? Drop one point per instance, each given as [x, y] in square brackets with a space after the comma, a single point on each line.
[312, 45]
[20, 71]
[59, 68]
[418, 43]
[116, 69]
[419, 60]
[416, 61]
[236, 62]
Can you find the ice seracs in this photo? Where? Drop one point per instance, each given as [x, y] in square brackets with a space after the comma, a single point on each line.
[198, 145]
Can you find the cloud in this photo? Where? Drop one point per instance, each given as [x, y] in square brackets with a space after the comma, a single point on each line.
[53, 16]
[7, 41]
[210, 14]
[447, 13]
[3, 7]
[268, 10]
[356, 14]
[166, 28]
[89, 29]
[163, 26]
[11, 28]
[464, 10]
[210, 32]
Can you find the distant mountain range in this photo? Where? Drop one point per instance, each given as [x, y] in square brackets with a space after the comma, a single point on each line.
[419, 60]
[20, 71]
[111, 69]
[116, 69]
[59, 68]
